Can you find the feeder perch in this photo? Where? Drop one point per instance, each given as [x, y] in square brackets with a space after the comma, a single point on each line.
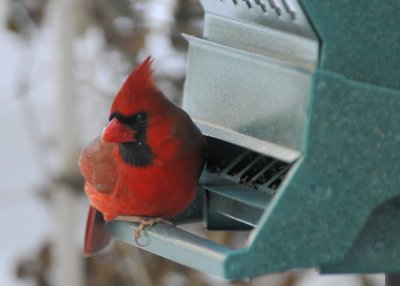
[300, 102]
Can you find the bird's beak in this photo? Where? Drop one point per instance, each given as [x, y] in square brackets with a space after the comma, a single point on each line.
[116, 132]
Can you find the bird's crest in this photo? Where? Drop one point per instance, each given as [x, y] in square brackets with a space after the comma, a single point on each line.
[138, 91]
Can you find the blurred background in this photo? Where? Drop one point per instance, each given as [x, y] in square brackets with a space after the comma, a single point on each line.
[61, 63]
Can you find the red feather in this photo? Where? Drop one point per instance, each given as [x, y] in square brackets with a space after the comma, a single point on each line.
[138, 92]
[163, 188]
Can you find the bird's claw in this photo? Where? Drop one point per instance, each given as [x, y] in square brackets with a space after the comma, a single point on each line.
[139, 229]
[149, 222]
[144, 222]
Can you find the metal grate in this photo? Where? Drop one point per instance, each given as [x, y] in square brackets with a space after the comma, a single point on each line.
[245, 167]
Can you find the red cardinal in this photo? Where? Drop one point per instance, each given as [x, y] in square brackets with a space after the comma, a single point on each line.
[146, 165]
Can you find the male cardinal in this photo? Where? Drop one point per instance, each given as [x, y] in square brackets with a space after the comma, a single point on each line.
[146, 164]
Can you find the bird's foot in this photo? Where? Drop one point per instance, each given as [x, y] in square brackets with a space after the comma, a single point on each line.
[144, 221]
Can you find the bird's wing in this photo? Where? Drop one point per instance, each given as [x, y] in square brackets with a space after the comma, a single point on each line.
[98, 166]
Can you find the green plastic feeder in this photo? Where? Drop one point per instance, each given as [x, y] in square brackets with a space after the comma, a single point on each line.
[300, 103]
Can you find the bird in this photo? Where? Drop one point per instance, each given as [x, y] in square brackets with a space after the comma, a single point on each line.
[145, 165]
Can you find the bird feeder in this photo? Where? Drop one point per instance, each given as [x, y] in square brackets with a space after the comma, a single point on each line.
[300, 103]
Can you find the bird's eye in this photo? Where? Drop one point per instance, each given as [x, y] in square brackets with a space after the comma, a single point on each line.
[141, 117]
